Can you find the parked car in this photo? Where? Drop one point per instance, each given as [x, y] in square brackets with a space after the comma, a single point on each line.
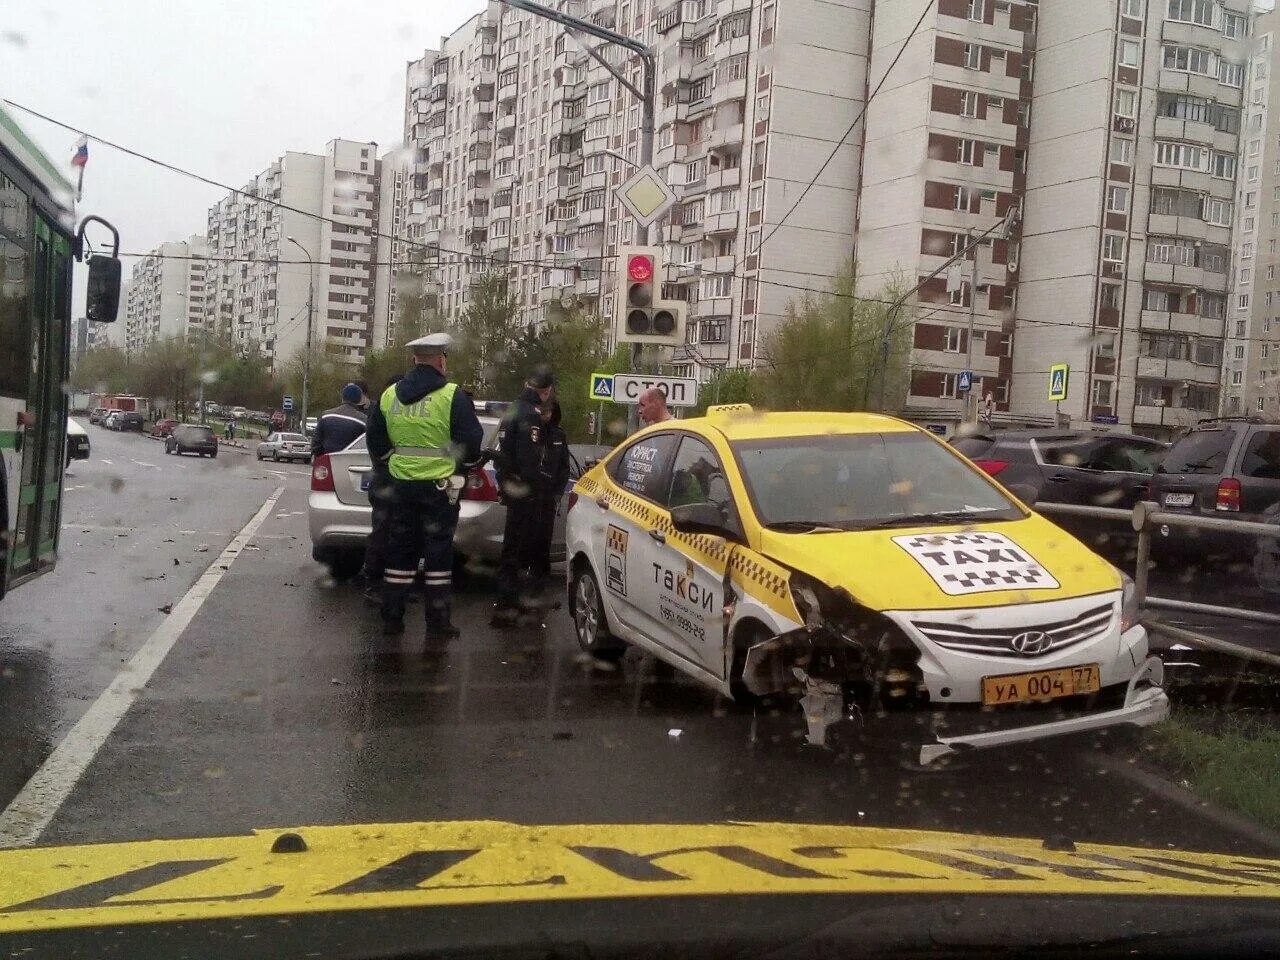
[309, 425]
[97, 415]
[124, 420]
[191, 438]
[1080, 467]
[162, 428]
[285, 446]
[1223, 467]
[238, 412]
[339, 515]
[77, 442]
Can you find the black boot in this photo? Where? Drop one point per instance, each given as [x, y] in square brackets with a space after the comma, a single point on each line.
[440, 621]
[393, 600]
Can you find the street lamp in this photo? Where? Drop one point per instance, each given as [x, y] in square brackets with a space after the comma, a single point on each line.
[617, 156]
[306, 358]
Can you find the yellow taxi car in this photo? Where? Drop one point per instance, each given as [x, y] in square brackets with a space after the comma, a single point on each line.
[859, 561]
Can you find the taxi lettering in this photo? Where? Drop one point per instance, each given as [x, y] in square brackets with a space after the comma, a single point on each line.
[683, 587]
[959, 557]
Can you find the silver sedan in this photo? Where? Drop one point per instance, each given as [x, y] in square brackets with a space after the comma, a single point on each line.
[285, 446]
[339, 515]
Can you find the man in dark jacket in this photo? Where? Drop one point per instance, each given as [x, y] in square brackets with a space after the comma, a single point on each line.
[553, 476]
[380, 490]
[520, 482]
[425, 430]
[338, 427]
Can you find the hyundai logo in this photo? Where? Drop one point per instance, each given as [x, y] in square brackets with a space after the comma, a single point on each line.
[1030, 643]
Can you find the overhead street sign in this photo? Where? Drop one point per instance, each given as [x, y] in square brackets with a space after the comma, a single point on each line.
[680, 391]
[288, 404]
[1058, 381]
[646, 195]
[601, 386]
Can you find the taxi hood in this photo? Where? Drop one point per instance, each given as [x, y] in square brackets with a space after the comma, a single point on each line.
[947, 567]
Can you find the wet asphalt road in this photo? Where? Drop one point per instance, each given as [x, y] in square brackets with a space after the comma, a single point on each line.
[280, 704]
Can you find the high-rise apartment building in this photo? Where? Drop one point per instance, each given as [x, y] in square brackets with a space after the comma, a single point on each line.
[1133, 159]
[166, 296]
[392, 250]
[1251, 369]
[1095, 146]
[260, 279]
[519, 140]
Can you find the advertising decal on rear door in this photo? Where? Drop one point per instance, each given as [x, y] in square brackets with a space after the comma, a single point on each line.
[964, 563]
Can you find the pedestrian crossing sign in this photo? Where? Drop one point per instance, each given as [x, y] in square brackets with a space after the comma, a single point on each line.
[1058, 381]
[602, 386]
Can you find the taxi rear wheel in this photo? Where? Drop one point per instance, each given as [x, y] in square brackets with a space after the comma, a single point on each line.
[589, 623]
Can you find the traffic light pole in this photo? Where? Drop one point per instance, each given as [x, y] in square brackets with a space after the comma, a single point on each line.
[646, 94]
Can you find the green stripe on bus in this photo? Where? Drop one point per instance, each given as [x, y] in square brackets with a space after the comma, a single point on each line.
[51, 490]
[27, 495]
[20, 556]
[8, 439]
[48, 548]
[42, 229]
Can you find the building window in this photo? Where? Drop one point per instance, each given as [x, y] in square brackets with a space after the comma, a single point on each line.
[954, 340]
[1246, 274]
[1155, 300]
[968, 104]
[1230, 74]
[1102, 393]
[1217, 211]
[1251, 199]
[1126, 103]
[1242, 302]
[1186, 156]
[1121, 151]
[1113, 247]
[1128, 56]
[948, 387]
[962, 198]
[1132, 8]
[1234, 25]
[717, 285]
[977, 10]
[1117, 198]
[1188, 59]
[1110, 296]
[973, 56]
[1237, 378]
[1246, 251]
[964, 151]
[1223, 165]
[1192, 11]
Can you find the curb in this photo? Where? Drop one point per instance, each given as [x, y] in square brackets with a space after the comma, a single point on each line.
[1182, 797]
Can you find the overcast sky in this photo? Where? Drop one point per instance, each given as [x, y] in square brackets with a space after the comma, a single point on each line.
[221, 88]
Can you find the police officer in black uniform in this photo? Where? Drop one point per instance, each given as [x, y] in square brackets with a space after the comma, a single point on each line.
[520, 482]
[425, 430]
[338, 426]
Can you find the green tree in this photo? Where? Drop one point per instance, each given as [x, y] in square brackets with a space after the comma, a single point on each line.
[487, 355]
[837, 351]
[727, 385]
[102, 370]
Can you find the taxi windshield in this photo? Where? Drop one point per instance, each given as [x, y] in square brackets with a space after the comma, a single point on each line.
[865, 480]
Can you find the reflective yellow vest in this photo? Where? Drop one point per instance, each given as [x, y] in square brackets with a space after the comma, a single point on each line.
[420, 434]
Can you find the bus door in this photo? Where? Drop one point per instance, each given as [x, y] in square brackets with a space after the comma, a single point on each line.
[41, 444]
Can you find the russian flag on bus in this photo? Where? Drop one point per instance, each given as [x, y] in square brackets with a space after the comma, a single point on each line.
[81, 156]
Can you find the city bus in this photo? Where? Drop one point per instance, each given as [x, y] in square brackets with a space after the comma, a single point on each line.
[38, 243]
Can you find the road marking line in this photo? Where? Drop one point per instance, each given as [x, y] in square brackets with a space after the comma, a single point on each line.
[31, 811]
[142, 464]
[106, 462]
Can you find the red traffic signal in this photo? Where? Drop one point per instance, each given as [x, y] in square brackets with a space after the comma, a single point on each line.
[640, 268]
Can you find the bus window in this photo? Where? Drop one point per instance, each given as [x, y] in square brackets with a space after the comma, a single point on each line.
[15, 279]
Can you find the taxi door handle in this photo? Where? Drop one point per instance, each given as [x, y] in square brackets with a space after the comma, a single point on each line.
[658, 535]
[602, 503]
[1059, 478]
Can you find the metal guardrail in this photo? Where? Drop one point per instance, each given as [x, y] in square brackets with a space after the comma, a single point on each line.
[1147, 517]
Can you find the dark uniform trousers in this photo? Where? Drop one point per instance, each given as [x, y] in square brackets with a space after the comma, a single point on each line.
[420, 523]
[375, 548]
[520, 537]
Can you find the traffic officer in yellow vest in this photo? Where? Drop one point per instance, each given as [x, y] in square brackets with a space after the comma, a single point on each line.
[425, 430]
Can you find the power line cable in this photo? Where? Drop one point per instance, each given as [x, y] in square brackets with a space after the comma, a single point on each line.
[856, 120]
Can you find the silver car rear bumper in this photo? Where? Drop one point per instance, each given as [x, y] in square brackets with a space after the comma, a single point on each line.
[335, 525]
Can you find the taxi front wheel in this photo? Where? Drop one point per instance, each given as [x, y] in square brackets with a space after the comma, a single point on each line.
[587, 608]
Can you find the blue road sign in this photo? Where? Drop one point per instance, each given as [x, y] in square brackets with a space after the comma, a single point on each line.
[964, 381]
[288, 404]
[602, 386]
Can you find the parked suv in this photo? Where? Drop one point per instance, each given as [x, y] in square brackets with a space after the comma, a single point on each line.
[1080, 467]
[1226, 467]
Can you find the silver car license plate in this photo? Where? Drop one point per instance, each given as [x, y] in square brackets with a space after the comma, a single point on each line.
[1179, 499]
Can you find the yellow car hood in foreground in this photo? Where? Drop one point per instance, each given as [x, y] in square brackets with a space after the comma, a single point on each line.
[434, 865]
[952, 567]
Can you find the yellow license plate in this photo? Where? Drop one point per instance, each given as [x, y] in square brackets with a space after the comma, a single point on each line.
[1041, 685]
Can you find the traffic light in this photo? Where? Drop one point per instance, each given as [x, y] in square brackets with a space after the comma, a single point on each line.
[643, 316]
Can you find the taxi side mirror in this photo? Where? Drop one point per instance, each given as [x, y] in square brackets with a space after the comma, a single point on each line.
[701, 517]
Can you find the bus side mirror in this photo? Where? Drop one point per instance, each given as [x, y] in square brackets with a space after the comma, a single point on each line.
[102, 300]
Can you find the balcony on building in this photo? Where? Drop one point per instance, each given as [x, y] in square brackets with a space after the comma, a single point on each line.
[603, 13]
[508, 92]
[727, 138]
[720, 223]
[709, 307]
[479, 157]
[505, 122]
[484, 85]
[1175, 417]
[720, 177]
[564, 151]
